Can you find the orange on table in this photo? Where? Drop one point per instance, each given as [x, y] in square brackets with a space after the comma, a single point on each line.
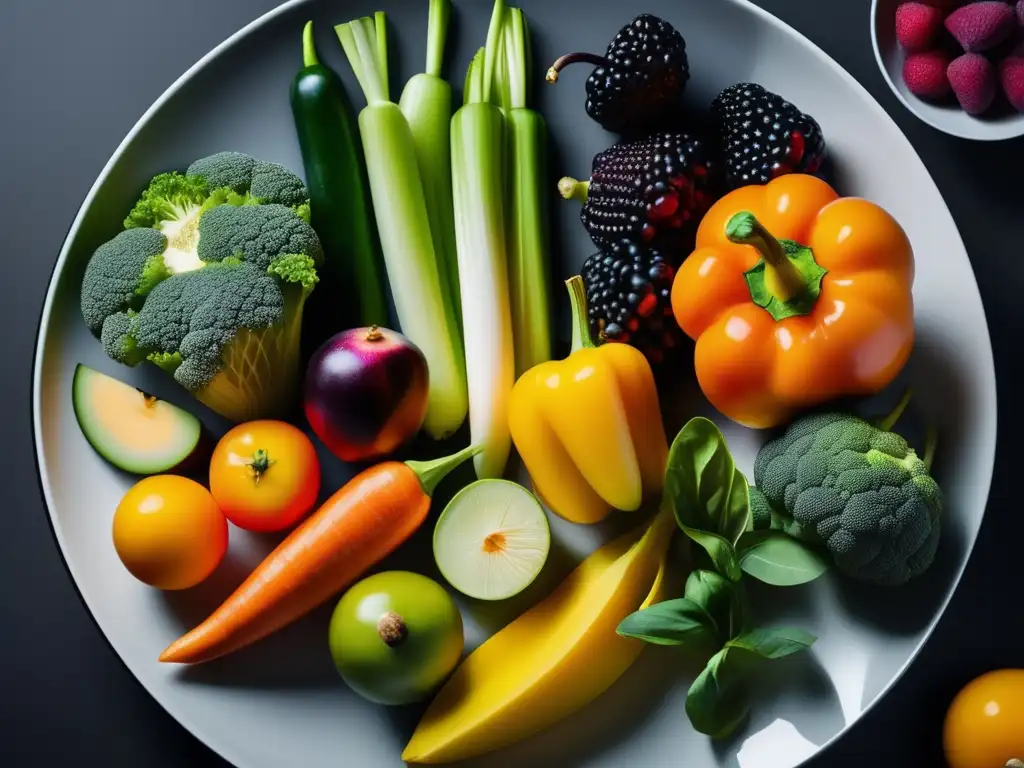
[265, 475]
[169, 532]
[984, 725]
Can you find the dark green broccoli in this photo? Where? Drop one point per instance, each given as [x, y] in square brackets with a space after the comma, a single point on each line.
[229, 333]
[117, 340]
[267, 182]
[175, 203]
[273, 183]
[121, 273]
[854, 488]
[208, 282]
[225, 169]
[257, 234]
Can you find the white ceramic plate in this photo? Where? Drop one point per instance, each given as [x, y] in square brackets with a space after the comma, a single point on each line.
[280, 703]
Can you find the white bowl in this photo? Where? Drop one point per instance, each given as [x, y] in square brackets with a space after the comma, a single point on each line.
[948, 118]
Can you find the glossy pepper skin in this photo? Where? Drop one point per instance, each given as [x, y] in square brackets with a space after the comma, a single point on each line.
[589, 427]
[795, 296]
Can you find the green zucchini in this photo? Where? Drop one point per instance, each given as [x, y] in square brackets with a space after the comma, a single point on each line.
[340, 206]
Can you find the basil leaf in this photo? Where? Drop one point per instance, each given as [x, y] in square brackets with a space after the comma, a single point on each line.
[722, 553]
[773, 643]
[721, 598]
[718, 700]
[706, 491]
[777, 559]
[673, 622]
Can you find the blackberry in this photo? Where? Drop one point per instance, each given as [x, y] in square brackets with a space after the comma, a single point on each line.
[639, 81]
[629, 290]
[651, 191]
[764, 136]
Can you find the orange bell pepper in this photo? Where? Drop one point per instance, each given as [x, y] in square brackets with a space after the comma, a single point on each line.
[795, 297]
[589, 427]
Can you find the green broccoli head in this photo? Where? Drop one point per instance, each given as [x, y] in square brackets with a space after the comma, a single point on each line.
[227, 326]
[267, 182]
[224, 169]
[256, 234]
[859, 491]
[175, 203]
[229, 333]
[120, 275]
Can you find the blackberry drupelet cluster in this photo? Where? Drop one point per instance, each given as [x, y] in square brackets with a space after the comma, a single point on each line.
[653, 191]
[640, 80]
[764, 136]
[629, 289]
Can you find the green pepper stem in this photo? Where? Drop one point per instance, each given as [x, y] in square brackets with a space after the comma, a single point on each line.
[571, 189]
[581, 338]
[745, 229]
[431, 473]
[886, 423]
[309, 57]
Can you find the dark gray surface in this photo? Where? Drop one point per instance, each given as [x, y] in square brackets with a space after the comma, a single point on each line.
[74, 78]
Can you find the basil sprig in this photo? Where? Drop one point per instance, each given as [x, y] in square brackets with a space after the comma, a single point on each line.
[710, 499]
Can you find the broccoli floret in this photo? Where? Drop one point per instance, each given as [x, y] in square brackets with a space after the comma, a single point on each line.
[227, 326]
[170, 197]
[175, 203]
[121, 273]
[229, 333]
[267, 182]
[854, 488]
[273, 183]
[118, 339]
[225, 169]
[256, 234]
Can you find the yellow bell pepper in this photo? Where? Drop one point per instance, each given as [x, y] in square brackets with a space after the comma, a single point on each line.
[589, 427]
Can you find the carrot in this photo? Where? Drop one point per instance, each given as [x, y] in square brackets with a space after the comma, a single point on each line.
[360, 525]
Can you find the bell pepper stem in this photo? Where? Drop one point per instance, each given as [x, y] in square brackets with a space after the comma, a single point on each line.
[745, 229]
[430, 473]
[581, 338]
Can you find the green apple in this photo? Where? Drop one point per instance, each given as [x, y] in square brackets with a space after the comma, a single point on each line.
[395, 636]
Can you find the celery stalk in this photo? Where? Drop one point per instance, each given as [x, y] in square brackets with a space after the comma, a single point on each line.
[403, 225]
[527, 189]
[427, 104]
[477, 138]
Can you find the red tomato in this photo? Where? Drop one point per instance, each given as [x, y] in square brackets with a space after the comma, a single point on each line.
[265, 475]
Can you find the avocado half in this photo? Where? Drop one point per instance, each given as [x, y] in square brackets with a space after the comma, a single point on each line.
[132, 430]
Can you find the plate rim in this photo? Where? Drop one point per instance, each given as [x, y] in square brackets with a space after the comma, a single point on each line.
[225, 751]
